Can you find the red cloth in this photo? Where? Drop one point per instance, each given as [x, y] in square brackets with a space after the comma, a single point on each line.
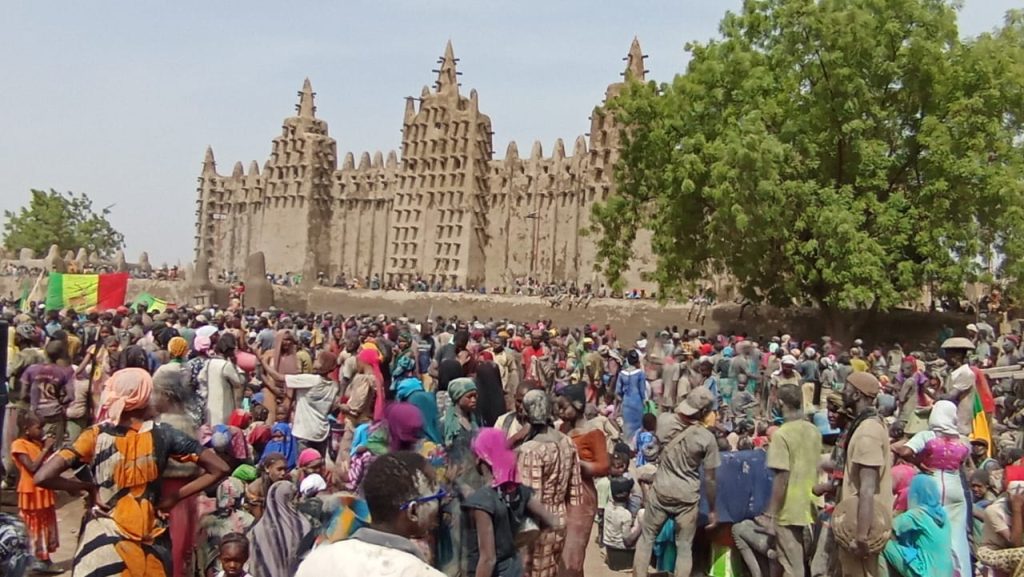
[182, 525]
[988, 402]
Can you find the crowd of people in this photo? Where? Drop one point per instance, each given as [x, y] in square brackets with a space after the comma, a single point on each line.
[240, 442]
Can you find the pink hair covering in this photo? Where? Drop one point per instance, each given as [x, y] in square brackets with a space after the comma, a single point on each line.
[126, 390]
[491, 447]
[201, 344]
[902, 475]
[371, 356]
[307, 456]
[405, 425]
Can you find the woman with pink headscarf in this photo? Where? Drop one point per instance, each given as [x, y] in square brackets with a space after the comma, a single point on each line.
[365, 402]
[498, 508]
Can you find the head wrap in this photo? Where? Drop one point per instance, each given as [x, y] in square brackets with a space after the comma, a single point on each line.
[307, 456]
[924, 495]
[201, 344]
[240, 419]
[406, 387]
[246, 473]
[287, 446]
[177, 347]
[490, 445]
[312, 485]
[125, 390]
[370, 356]
[259, 435]
[460, 387]
[230, 493]
[538, 407]
[405, 425]
[279, 532]
[401, 367]
[942, 419]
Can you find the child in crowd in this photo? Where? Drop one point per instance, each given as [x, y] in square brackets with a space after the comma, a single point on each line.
[645, 436]
[743, 403]
[35, 504]
[617, 467]
[234, 555]
[621, 530]
[273, 468]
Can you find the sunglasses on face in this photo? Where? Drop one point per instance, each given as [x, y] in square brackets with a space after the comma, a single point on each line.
[440, 495]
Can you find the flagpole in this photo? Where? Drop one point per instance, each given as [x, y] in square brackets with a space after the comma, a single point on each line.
[35, 286]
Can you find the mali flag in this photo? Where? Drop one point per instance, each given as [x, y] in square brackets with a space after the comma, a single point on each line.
[980, 424]
[85, 292]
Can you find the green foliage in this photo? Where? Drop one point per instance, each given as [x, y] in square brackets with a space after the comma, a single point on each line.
[843, 153]
[67, 220]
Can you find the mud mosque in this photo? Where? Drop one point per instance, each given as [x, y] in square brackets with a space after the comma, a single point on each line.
[442, 208]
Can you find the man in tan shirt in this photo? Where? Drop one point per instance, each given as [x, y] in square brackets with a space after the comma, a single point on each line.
[867, 472]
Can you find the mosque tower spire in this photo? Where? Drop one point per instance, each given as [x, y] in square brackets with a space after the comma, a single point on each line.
[635, 62]
[306, 107]
[447, 75]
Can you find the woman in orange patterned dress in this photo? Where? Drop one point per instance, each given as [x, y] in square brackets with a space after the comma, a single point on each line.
[127, 454]
[548, 464]
[592, 449]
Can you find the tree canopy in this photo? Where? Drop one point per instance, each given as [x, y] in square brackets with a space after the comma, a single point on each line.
[840, 153]
[67, 220]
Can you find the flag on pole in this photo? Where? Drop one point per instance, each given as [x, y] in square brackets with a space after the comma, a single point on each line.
[26, 290]
[980, 424]
[85, 292]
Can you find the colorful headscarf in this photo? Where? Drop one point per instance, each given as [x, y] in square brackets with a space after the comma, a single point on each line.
[371, 357]
[405, 425]
[403, 366]
[308, 455]
[426, 403]
[457, 389]
[246, 473]
[924, 495]
[287, 446]
[490, 445]
[177, 347]
[229, 494]
[126, 390]
[460, 387]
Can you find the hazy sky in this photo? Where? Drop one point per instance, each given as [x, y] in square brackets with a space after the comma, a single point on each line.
[119, 99]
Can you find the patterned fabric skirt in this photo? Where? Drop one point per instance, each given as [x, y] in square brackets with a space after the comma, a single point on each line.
[41, 526]
[543, 557]
[103, 552]
[1008, 561]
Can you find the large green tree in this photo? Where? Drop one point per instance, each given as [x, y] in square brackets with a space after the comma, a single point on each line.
[67, 220]
[839, 153]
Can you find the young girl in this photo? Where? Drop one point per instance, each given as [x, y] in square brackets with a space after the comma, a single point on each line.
[36, 505]
[234, 554]
[273, 468]
[498, 508]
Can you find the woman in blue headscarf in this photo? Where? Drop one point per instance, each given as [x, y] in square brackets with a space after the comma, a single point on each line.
[282, 441]
[922, 537]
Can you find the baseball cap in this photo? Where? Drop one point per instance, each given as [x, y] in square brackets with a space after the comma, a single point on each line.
[865, 382]
[696, 401]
